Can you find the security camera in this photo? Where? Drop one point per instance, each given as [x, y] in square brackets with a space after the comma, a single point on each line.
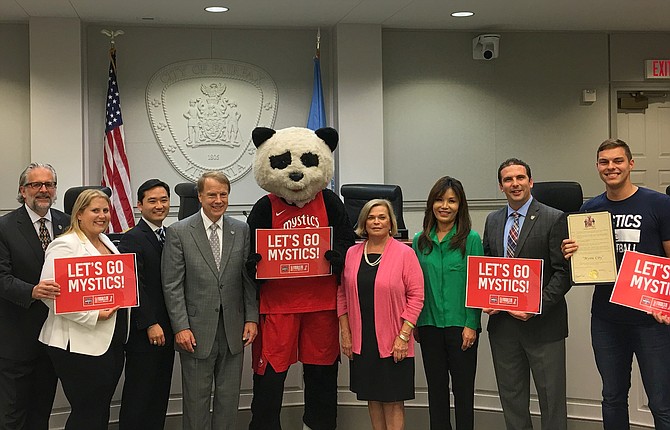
[485, 47]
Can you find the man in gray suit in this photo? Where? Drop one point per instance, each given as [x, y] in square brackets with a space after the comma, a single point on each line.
[523, 342]
[212, 304]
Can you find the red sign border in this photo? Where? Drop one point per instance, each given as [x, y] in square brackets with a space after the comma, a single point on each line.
[299, 230]
[502, 308]
[104, 257]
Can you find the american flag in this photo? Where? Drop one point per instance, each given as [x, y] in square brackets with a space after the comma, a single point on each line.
[115, 171]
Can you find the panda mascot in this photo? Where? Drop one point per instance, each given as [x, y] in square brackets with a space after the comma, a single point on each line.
[298, 315]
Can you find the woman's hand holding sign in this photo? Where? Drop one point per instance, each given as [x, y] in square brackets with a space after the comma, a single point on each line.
[105, 314]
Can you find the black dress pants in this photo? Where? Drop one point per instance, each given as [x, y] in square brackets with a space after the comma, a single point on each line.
[89, 381]
[443, 357]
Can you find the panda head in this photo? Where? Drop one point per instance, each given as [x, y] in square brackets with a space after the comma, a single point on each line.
[294, 163]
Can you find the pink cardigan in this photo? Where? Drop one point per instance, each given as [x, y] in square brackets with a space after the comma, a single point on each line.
[398, 294]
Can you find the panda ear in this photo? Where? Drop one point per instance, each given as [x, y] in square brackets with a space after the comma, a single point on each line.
[261, 134]
[330, 136]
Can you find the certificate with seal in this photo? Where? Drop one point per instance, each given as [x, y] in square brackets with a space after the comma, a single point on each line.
[595, 261]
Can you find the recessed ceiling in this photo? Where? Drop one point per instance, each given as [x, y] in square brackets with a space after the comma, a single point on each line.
[490, 15]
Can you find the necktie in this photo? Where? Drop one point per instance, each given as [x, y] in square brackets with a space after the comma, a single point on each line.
[513, 235]
[215, 243]
[45, 237]
[161, 235]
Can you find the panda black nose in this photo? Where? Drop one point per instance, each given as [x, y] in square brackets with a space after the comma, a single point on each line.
[296, 176]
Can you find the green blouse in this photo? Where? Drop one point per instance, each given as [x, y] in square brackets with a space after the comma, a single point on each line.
[444, 273]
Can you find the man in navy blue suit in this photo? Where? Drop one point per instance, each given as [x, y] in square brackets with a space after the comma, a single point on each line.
[149, 350]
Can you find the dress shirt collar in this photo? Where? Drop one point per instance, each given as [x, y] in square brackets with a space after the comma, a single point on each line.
[208, 222]
[34, 217]
[523, 210]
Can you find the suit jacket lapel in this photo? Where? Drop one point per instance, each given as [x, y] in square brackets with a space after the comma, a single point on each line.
[59, 223]
[149, 234]
[528, 223]
[499, 240]
[228, 239]
[27, 229]
[202, 242]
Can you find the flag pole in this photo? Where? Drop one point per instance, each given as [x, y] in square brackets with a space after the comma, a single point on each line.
[318, 43]
[112, 34]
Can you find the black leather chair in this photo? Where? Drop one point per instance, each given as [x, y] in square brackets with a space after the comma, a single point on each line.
[188, 199]
[667, 190]
[357, 195]
[563, 195]
[72, 193]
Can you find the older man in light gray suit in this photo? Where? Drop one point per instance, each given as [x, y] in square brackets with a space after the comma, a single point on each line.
[212, 304]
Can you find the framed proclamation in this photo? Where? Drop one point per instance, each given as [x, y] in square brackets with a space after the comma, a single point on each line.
[594, 262]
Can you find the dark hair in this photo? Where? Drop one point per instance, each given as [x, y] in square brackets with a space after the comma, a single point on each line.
[614, 143]
[513, 162]
[463, 221]
[219, 177]
[151, 183]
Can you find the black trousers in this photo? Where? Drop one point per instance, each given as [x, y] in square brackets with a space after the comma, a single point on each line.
[27, 390]
[320, 398]
[89, 381]
[146, 389]
[443, 357]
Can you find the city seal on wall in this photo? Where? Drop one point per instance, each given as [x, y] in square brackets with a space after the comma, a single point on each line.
[202, 113]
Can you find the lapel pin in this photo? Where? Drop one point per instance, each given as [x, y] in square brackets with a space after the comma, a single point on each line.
[532, 217]
[232, 232]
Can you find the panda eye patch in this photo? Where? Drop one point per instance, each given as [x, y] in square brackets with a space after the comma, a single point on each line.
[281, 161]
[309, 160]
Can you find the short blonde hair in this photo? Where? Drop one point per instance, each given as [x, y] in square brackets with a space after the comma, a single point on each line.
[365, 212]
[218, 176]
[83, 201]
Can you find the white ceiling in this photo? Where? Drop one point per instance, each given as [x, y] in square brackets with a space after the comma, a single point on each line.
[490, 15]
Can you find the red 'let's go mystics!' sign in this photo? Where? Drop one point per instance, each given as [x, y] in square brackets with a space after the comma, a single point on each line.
[506, 284]
[95, 282]
[293, 252]
[643, 283]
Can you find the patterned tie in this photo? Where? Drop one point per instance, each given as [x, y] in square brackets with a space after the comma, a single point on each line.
[45, 237]
[513, 235]
[161, 235]
[215, 244]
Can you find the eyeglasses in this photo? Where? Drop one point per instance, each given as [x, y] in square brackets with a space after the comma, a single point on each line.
[38, 185]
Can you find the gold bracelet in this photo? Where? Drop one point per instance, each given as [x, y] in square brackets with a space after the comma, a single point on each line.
[404, 337]
[405, 332]
[410, 324]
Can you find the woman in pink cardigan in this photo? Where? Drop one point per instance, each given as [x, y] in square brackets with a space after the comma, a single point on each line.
[378, 303]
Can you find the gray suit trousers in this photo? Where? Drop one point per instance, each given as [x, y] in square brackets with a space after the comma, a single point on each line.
[225, 369]
[513, 360]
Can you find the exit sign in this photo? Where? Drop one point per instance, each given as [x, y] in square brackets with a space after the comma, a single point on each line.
[657, 69]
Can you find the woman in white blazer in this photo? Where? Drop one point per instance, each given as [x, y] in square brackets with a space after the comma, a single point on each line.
[86, 348]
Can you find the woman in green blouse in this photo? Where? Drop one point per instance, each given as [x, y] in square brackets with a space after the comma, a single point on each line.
[448, 331]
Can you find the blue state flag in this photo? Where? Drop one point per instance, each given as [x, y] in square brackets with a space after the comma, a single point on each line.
[317, 110]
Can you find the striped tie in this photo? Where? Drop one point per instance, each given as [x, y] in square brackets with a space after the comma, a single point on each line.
[513, 235]
[161, 235]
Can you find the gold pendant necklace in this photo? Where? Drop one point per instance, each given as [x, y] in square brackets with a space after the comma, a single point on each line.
[365, 254]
